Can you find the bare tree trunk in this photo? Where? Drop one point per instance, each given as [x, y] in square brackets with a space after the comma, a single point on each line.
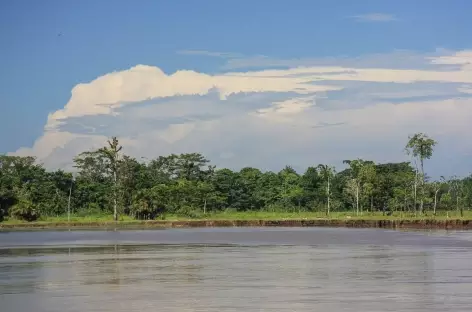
[115, 212]
[68, 202]
[457, 204]
[435, 201]
[405, 207]
[357, 200]
[328, 194]
[415, 186]
[422, 186]
[285, 196]
[204, 206]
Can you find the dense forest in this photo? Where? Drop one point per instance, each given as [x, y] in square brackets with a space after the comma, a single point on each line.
[107, 181]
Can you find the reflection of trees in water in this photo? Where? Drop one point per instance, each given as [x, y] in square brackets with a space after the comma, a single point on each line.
[365, 273]
[428, 285]
[111, 269]
[390, 271]
[97, 265]
[133, 265]
[19, 278]
[348, 274]
[20, 270]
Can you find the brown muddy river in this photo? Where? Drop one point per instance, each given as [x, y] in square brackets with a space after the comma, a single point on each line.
[235, 269]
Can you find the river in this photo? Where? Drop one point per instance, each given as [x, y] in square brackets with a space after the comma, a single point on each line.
[235, 269]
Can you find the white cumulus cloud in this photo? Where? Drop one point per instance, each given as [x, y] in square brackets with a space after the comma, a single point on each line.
[299, 115]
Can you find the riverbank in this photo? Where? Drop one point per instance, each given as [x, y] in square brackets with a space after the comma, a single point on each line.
[449, 224]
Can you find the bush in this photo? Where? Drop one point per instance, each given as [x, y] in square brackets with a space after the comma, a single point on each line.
[3, 213]
[92, 209]
[189, 212]
[144, 207]
[142, 210]
[25, 210]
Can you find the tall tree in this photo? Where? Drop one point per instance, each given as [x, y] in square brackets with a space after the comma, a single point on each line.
[290, 189]
[421, 147]
[327, 173]
[456, 187]
[360, 171]
[467, 184]
[111, 153]
[436, 186]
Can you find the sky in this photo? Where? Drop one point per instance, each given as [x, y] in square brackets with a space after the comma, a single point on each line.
[246, 83]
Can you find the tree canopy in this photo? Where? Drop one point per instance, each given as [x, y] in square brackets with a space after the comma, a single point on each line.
[108, 181]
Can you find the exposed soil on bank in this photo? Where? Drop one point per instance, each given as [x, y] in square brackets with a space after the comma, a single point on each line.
[450, 224]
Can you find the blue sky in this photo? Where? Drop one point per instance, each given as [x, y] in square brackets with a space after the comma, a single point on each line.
[48, 47]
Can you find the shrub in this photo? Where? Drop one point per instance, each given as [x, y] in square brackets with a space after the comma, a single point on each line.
[25, 210]
[189, 212]
[144, 207]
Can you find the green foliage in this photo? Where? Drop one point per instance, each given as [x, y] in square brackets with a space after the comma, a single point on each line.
[421, 146]
[143, 207]
[108, 182]
[24, 209]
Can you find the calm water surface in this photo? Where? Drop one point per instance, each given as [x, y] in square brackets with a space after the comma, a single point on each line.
[287, 269]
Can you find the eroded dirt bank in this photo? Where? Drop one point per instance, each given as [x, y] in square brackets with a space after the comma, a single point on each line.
[451, 224]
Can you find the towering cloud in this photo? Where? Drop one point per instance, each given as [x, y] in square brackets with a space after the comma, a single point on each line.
[297, 115]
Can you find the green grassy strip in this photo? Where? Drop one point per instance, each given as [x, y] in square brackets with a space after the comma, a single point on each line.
[251, 218]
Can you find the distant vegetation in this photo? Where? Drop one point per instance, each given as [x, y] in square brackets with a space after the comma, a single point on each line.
[109, 182]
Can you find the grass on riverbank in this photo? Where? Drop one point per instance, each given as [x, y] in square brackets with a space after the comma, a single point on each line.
[258, 215]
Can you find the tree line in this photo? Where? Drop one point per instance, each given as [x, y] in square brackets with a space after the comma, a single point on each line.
[107, 181]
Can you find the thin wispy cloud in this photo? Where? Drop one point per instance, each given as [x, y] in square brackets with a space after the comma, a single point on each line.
[375, 17]
[397, 59]
[209, 53]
